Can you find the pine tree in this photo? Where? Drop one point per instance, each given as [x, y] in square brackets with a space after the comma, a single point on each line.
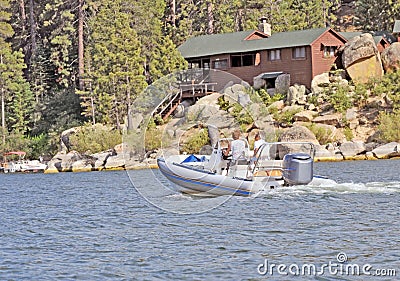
[16, 97]
[60, 37]
[156, 44]
[115, 68]
[376, 15]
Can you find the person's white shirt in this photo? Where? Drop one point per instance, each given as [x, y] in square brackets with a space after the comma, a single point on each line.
[258, 143]
[238, 148]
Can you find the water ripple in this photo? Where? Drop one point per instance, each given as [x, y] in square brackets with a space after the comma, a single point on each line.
[96, 226]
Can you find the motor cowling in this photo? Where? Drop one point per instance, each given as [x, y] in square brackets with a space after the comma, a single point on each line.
[297, 168]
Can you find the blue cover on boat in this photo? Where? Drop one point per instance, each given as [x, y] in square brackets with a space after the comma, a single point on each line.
[193, 158]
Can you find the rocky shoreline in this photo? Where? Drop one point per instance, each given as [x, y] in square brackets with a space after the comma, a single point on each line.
[111, 161]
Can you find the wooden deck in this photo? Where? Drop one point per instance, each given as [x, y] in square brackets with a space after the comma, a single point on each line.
[193, 84]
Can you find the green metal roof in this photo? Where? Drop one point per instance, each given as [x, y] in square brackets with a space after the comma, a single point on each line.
[396, 28]
[228, 43]
[350, 35]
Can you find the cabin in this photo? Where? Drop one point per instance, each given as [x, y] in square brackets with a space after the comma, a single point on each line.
[302, 54]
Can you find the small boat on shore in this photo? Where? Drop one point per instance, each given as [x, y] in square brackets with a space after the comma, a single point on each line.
[21, 164]
[275, 165]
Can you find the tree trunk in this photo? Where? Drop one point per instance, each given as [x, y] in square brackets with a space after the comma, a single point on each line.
[23, 15]
[239, 20]
[117, 113]
[32, 24]
[173, 13]
[210, 16]
[129, 108]
[3, 111]
[80, 46]
[3, 116]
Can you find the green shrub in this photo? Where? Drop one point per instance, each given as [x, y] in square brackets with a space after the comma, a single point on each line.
[313, 99]
[15, 141]
[223, 104]
[153, 139]
[388, 85]
[286, 116]
[273, 110]
[389, 126]
[38, 146]
[348, 133]
[196, 142]
[92, 139]
[322, 134]
[339, 96]
[241, 115]
[267, 99]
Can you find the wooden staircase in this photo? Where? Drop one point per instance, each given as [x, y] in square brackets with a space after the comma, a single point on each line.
[190, 84]
[168, 105]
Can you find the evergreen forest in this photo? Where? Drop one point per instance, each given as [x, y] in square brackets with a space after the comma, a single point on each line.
[65, 63]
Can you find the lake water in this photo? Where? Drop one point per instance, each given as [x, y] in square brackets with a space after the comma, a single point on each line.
[99, 226]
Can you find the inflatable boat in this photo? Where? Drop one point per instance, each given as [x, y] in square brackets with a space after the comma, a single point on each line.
[275, 165]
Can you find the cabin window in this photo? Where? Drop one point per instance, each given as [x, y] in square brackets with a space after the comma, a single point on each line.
[329, 51]
[299, 53]
[274, 55]
[194, 64]
[242, 60]
[220, 64]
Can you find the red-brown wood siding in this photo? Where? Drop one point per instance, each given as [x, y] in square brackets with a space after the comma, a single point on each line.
[382, 45]
[301, 71]
[321, 64]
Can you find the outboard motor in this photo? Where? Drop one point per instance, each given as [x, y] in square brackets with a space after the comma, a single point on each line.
[297, 168]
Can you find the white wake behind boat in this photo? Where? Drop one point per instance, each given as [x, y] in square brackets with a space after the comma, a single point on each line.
[275, 165]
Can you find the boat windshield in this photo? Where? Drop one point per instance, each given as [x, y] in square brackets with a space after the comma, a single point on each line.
[277, 150]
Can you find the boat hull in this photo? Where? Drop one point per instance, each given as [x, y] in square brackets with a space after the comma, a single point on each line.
[199, 182]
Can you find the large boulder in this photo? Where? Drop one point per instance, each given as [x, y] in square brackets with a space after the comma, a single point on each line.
[386, 151]
[201, 112]
[116, 162]
[329, 119]
[352, 148]
[232, 92]
[305, 116]
[319, 82]
[243, 99]
[259, 82]
[295, 134]
[101, 159]
[296, 95]
[391, 57]
[282, 83]
[221, 120]
[298, 133]
[361, 58]
[322, 153]
[65, 144]
[71, 161]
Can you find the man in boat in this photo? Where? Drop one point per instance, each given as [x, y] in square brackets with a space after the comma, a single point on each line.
[236, 148]
[258, 141]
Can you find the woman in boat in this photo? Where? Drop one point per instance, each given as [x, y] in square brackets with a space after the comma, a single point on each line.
[237, 147]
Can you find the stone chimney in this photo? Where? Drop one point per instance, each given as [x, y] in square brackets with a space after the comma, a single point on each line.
[264, 26]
